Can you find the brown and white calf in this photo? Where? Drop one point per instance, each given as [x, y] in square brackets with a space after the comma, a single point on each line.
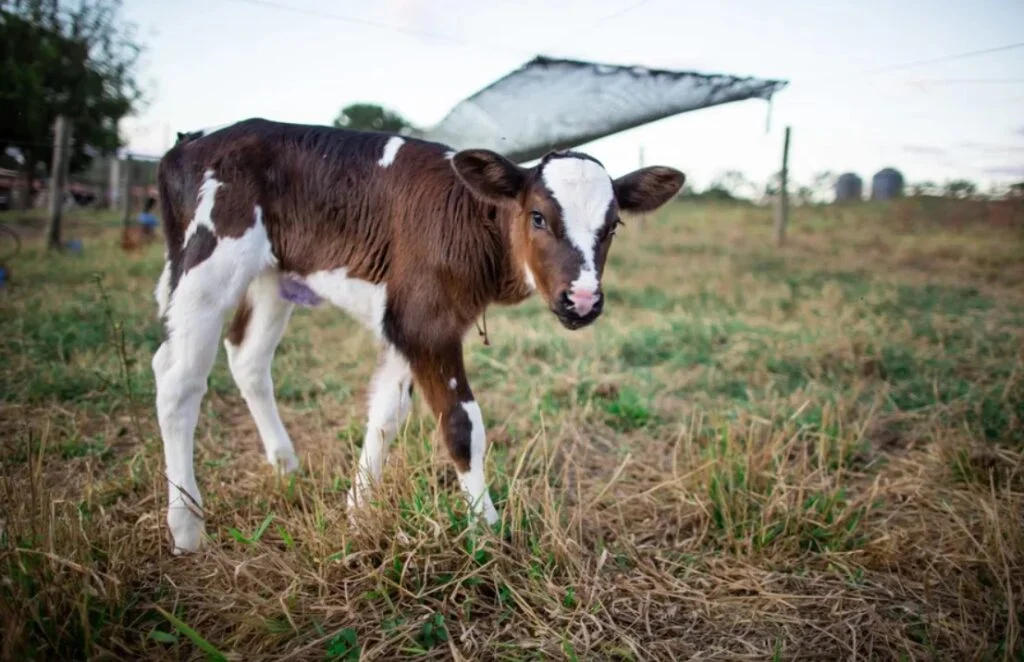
[409, 237]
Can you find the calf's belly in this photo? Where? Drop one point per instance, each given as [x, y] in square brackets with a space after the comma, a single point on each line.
[363, 300]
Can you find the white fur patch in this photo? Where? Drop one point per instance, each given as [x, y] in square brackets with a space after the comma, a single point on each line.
[218, 282]
[359, 298]
[587, 281]
[204, 206]
[389, 407]
[473, 482]
[163, 289]
[583, 189]
[390, 151]
[453, 383]
[530, 280]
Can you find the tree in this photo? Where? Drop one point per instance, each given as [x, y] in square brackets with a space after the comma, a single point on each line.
[823, 185]
[960, 188]
[772, 185]
[804, 195]
[75, 58]
[925, 188]
[371, 117]
[733, 183]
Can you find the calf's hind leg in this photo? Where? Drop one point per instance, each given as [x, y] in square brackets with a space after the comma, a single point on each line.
[212, 282]
[390, 402]
[181, 366]
[253, 335]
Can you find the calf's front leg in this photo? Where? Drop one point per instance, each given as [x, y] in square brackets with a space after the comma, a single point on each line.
[441, 376]
[390, 393]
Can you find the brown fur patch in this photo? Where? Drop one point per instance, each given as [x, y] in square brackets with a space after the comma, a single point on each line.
[244, 168]
[433, 371]
[458, 435]
[646, 189]
[240, 322]
[198, 249]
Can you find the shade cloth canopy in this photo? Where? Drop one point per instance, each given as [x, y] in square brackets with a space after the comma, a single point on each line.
[552, 104]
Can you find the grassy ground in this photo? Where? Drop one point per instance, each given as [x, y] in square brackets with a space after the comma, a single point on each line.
[813, 453]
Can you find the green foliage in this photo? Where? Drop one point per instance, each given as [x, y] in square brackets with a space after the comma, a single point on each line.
[371, 117]
[628, 410]
[77, 59]
[343, 647]
[202, 644]
[433, 632]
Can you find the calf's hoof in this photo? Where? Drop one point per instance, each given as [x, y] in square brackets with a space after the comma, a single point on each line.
[283, 459]
[187, 530]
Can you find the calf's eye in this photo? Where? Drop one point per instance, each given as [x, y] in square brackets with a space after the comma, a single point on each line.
[608, 231]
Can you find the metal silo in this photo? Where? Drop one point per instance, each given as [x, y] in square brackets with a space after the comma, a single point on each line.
[887, 184]
[849, 188]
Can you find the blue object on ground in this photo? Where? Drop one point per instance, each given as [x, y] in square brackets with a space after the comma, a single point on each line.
[147, 219]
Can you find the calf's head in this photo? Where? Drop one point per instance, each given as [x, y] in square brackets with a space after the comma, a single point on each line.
[564, 214]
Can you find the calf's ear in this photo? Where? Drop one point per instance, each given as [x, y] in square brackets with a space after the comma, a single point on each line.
[489, 175]
[646, 189]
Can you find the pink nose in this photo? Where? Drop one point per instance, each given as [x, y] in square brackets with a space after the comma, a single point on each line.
[583, 301]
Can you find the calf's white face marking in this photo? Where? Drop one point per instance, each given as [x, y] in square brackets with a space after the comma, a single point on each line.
[390, 151]
[584, 191]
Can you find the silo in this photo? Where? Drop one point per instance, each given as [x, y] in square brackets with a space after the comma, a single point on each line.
[849, 188]
[887, 184]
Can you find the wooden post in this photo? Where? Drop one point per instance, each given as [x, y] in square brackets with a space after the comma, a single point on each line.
[126, 192]
[27, 178]
[782, 203]
[58, 180]
[114, 184]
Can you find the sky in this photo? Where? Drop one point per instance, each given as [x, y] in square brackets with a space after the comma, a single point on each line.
[851, 104]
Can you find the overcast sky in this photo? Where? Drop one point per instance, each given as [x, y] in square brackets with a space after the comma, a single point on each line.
[210, 62]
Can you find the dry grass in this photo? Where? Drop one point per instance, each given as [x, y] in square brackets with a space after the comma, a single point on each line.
[816, 453]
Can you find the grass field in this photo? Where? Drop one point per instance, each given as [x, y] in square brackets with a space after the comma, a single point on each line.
[756, 454]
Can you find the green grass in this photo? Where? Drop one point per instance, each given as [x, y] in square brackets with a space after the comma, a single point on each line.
[815, 452]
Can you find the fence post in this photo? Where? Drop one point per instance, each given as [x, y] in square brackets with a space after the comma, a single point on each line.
[782, 206]
[114, 183]
[58, 180]
[126, 193]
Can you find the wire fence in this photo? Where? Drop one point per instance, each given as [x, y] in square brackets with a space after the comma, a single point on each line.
[107, 183]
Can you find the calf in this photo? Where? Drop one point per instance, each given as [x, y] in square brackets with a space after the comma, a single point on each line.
[411, 238]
